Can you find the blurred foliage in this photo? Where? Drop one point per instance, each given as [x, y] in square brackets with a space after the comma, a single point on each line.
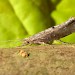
[22, 18]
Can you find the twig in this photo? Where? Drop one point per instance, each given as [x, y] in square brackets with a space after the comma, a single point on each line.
[53, 33]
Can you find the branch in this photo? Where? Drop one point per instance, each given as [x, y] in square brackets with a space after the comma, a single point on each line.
[42, 60]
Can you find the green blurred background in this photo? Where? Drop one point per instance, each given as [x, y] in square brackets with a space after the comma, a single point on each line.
[23, 18]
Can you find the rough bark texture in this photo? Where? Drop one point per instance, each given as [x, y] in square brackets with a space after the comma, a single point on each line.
[42, 60]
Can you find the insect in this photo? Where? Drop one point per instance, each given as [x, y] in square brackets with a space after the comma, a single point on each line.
[53, 33]
[49, 35]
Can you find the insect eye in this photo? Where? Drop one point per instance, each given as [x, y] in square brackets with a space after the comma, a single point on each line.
[53, 27]
[27, 41]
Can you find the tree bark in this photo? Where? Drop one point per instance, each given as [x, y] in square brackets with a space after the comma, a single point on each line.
[41, 60]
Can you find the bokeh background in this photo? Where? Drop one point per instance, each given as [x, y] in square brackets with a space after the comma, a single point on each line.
[23, 18]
